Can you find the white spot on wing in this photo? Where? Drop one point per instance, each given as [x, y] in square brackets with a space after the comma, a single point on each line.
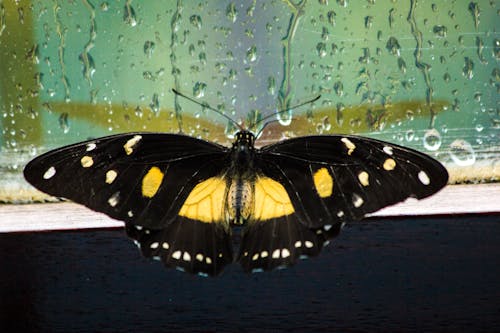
[327, 227]
[349, 145]
[154, 245]
[255, 257]
[186, 256]
[264, 254]
[276, 254]
[165, 245]
[298, 244]
[199, 257]
[114, 199]
[176, 255]
[91, 146]
[357, 201]
[309, 244]
[130, 144]
[49, 173]
[424, 178]
[387, 150]
[285, 253]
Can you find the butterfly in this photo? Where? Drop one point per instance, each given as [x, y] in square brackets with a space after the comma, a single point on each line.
[181, 197]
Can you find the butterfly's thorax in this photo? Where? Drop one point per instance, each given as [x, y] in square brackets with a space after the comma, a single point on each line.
[240, 178]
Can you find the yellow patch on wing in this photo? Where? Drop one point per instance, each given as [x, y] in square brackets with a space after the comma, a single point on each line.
[363, 178]
[151, 182]
[389, 164]
[87, 161]
[270, 200]
[323, 182]
[205, 203]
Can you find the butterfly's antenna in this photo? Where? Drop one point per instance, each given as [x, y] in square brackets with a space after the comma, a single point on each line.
[312, 100]
[205, 105]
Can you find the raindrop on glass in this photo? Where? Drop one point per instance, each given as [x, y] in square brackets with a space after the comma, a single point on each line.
[462, 153]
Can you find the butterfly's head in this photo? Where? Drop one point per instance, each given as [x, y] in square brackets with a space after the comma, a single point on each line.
[243, 146]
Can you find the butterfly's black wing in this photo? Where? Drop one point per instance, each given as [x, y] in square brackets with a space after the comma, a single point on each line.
[280, 242]
[144, 180]
[192, 246]
[330, 180]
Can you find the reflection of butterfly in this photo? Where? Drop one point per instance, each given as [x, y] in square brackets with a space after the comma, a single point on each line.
[179, 196]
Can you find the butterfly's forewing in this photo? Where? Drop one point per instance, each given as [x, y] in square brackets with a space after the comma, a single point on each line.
[144, 179]
[139, 178]
[331, 179]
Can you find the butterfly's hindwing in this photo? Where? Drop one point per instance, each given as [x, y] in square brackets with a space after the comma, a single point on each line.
[280, 242]
[140, 178]
[342, 178]
[192, 246]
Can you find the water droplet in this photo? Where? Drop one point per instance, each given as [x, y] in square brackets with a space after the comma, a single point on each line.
[432, 140]
[409, 135]
[203, 58]
[462, 153]
[368, 22]
[496, 48]
[321, 49]
[468, 68]
[402, 65]
[331, 17]
[231, 12]
[440, 31]
[195, 21]
[393, 46]
[149, 47]
[155, 103]
[138, 112]
[342, 3]
[252, 54]
[63, 122]
[254, 120]
[271, 85]
[339, 88]
[199, 89]
[475, 11]
[129, 15]
[325, 35]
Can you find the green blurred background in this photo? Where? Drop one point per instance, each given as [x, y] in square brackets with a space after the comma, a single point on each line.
[423, 74]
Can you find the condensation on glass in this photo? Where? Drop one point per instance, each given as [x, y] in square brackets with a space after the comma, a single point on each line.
[423, 74]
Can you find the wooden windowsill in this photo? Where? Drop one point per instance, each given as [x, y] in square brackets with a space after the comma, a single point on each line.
[453, 199]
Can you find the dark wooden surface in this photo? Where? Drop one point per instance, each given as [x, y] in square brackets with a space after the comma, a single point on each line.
[414, 275]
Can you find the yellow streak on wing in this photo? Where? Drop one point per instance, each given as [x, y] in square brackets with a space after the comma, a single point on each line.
[323, 182]
[151, 182]
[205, 203]
[271, 200]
